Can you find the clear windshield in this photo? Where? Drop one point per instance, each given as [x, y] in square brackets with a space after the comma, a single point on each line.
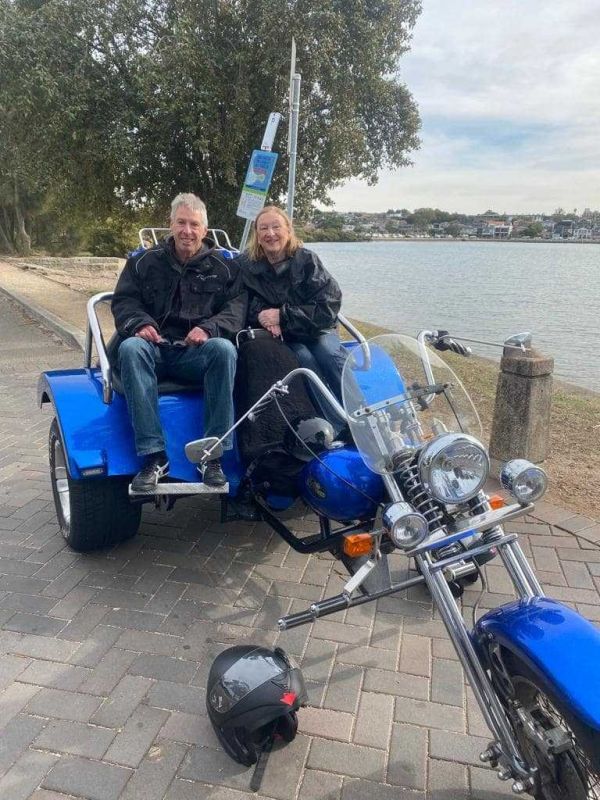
[394, 407]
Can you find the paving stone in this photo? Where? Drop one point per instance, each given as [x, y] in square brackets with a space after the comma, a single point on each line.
[215, 767]
[146, 642]
[13, 699]
[576, 524]
[415, 655]
[136, 737]
[63, 705]
[446, 780]
[407, 757]
[95, 646]
[321, 786]
[359, 790]
[318, 660]
[84, 623]
[125, 697]
[155, 773]
[430, 715]
[374, 720]
[396, 683]
[186, 790]
[284, 769]
[28, 603]
[325, 723]
[192, 728]
[163, 668]
[366, 657]
[340, 632]
[344, 688]
[93, 780]
[25, 775]
[175, 697]
[17, 735]
[456, 747]
[138, 620]
[10, 668]
[108, 672]
[346, 759]
[54, 675]
[447, 683]
[34, 623]
[72, 603]
[75, 738]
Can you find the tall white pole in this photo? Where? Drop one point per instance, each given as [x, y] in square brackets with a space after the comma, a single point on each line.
[293, 142]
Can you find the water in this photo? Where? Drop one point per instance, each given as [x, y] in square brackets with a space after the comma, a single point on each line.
[485, 290]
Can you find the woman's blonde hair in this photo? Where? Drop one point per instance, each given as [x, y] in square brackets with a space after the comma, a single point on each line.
[255, 250]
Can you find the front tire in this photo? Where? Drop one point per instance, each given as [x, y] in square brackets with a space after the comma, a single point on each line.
[573, 774]
[91, 513]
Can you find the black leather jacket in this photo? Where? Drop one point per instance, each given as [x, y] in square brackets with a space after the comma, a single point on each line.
[155, 289]
[307, 296]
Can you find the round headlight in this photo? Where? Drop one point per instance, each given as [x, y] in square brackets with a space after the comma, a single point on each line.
[526, 481]
[405, 526]
[454, 467]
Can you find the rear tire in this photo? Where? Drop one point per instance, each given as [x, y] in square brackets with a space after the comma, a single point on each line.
[572, 774]
[91, 513]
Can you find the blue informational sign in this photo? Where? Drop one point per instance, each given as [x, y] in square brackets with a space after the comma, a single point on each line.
[257, 182]
[260, 170]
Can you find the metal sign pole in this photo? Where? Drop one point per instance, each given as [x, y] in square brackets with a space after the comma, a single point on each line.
[267, 144]
[293, 143]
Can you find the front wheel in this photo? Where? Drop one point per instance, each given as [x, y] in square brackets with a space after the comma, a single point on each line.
[564, 749]
[91, 513]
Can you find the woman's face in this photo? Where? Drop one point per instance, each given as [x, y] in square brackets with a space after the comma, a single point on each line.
[273, 234]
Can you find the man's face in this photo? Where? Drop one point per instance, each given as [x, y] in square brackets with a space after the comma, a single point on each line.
[188, 230]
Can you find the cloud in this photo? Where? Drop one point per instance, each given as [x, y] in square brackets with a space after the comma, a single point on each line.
[510, 102]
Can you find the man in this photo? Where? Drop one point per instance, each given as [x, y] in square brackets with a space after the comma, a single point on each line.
[176, 308]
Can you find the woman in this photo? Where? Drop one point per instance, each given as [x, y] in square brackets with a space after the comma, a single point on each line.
[292, 295]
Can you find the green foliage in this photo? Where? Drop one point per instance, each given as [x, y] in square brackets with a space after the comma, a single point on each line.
[533, 230]
[126, 102]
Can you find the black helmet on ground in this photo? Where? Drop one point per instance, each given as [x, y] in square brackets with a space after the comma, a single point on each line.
[252, 695]
[309, 434]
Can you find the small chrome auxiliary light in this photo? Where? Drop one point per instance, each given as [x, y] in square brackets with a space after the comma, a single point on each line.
[405, 526]
[525, 481]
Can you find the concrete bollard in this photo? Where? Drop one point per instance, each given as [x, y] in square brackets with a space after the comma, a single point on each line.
[521, 424]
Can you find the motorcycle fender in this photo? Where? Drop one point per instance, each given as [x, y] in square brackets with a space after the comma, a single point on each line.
[561, 648]
[98, 437]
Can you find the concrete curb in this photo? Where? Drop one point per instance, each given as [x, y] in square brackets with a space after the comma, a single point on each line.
[71, 335]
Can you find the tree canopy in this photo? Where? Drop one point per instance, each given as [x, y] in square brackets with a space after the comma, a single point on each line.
[112, 106]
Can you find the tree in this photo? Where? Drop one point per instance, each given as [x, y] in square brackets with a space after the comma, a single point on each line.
[534, 230]
[126, 102]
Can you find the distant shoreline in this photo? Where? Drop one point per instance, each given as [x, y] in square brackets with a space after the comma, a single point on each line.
[512, 240]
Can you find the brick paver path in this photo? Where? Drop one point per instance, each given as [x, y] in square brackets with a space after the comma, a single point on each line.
[104, 657]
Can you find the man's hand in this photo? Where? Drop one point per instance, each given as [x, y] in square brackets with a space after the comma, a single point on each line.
[269, 317]
[196, 337]
[275, 331]
[149, 333]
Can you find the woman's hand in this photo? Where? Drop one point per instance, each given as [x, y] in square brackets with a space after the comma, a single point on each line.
[269, 317]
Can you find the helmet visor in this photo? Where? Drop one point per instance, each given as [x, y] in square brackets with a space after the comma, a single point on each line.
[241, 678]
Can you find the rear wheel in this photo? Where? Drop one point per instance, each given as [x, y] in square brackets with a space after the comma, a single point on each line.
[91, 513]
[565, 750]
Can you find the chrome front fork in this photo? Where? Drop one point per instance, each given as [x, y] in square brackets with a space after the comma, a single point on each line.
[505, 749]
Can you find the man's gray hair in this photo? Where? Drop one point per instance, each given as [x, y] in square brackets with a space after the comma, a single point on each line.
[192, 201]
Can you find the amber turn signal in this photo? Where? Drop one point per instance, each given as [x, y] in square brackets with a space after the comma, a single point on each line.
[358, 544]
[496, 501]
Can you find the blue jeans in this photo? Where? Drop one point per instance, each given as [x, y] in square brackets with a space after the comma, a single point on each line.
[142, 365]
[326, 356]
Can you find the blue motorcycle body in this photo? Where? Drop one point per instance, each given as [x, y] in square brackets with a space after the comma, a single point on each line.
[560, 647]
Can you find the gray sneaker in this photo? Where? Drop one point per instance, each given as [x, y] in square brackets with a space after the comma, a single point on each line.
[145, 481]
[213, 474]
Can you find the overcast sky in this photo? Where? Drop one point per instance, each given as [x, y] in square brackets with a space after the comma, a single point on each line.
[509, 97]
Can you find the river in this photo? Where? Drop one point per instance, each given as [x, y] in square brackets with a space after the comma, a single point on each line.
[485, 290]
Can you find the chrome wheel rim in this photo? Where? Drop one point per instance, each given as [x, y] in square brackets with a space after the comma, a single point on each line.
[61, 481]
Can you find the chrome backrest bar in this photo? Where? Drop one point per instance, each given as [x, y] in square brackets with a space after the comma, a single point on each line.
[93, 335]
[345, 323]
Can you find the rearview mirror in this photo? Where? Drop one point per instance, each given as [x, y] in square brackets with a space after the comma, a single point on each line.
[202, 450]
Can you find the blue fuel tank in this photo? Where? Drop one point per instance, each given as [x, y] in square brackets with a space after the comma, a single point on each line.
[341, 486]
